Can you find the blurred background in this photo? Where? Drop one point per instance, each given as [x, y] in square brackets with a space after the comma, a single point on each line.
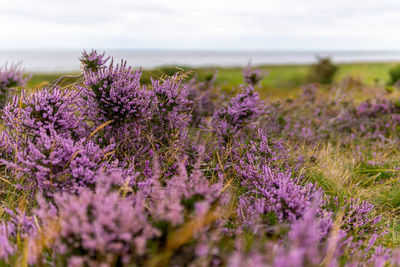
[48, 35]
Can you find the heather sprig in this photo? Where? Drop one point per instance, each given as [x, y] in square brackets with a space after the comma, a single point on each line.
[58, 163]
[99, 227]
[93, 61]
[28, 116]
[10, 77]
[183, 195]
[170, 111]
[7, 247]
[241, 111]
[252, 77]
[279, 194]
[114, 95]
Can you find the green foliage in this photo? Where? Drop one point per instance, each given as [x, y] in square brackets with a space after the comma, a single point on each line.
[389, 89]
[394, 74]
[324, 70]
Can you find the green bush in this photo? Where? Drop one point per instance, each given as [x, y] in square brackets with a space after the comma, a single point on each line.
[394, 74]
[324, 70]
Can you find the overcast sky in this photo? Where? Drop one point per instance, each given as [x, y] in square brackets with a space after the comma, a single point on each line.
[201, 24]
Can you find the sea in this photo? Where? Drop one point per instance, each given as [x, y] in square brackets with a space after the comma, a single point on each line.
[57, 61]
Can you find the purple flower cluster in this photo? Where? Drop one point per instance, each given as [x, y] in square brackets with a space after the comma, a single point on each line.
[99, 227]
[44, 111]
[7, 248]
[93, 61]
[171, 110]
[252, 77]
[306, 244]
[302, 246]
[104, 227]
[114, 94]
[10, 77]
[113, 97]
[183, 195]
[56, 163]
[376, 108]
[278, 193]
[242, 110]
[6, 149]
[45, 142]
[137, 114]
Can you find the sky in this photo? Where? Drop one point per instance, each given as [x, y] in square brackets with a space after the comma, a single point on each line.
[200, 24]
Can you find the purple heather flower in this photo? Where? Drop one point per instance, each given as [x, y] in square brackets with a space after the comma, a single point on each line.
[6, 149]
[93, 61]
[359, 219]
[241, 111]
[171, 109]
[44, 110]
[7, 248]
[54, 162]
[99, 227]
[252, 77]
[277, 193]
[303, 241]
[182, 195]
[20, 223]
[115, 94]
[10, 77]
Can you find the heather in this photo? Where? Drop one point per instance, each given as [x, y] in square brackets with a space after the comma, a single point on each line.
[114, 169]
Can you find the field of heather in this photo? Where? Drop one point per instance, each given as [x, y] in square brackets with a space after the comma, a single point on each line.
[277, 166]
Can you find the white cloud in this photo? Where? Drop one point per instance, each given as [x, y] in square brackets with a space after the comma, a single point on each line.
[205, 24]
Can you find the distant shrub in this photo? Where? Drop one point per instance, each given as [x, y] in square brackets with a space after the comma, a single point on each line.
[394, 74]
[324, 70]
